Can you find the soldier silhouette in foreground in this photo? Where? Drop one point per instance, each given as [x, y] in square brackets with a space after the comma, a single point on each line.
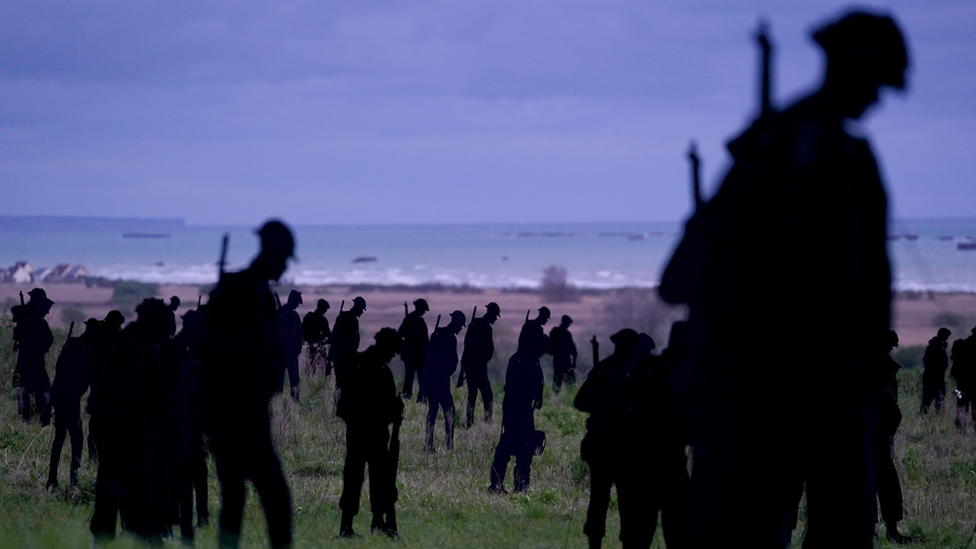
[629, 443]
[964, 372]
[316, 332]
[290, 328]
[523, 396]
[102, 347]
[71, 379]
[32, 339]
[535, 326]
[563, 353]
[935, 363]
[793, 242]
[441, 363]
[242, 351]
[479, 348]
[888, 418]
[413, 330]
[369, 404]
[345, 336]
[189, 407]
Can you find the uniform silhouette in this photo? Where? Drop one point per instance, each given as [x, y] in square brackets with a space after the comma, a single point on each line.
[32, 339]
[345, 336]
[628, 444]
[887, 418]
[316, 332]
[964, 372]
[935, 363]
[102, 347]
[441, 363]
[792, 243]
[479, 348]
[290, 327]
[415, 336]
[192, 478]
[242, 351]
[369, 404]
[523, 396]
[71, 379]
[535, 325]
[563, 353]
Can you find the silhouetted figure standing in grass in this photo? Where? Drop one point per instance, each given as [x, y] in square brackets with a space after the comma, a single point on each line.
[369, 404]
[887, 420]
[71, 379]
[935, 363]
[102, 347]
[441, 363]
[345, 336]
[188, 409]
[415, 336]
[524, 383]
[479, 348]
[316, 332]
[964, 372]
[792, 243]
[290, 327]
[242, 350]
[33, 338]
[563, 353]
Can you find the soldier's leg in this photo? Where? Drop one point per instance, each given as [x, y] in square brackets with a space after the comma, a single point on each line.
[432, 406]
[199, 473]
[408, 372]
[265, 472]
[449, 418]
[230, 473]
[106, 509]
[60, 432]
[472, 400]
[92, 436]
[596, 514]
[523, 467]
[44, 404]
[24, 403]
[293, 378]
[486, 398]
[77, 442]
[379, 491]
[557, 372]
[886, 478]
[353, 475]
[499, 465]
[639, 503]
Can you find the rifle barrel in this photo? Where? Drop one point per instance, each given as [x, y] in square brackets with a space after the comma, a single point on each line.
[766, 50]
[695, 173]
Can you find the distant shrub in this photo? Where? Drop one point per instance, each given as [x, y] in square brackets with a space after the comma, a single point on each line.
[556, 287]
[909, 356]
[948, 320]
[132, 292]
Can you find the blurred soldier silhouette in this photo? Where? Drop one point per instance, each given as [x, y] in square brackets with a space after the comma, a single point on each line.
[479, 348]
[936, 362]
[242, 351]
[32, 339]
[413, 330]
[189, 408]
[441, 362]
[174, 303]
[369, 404]
[964, 372]
[102, 347]
[535, 326]
[290, 327]
[71, 379]
[629, 444]
[523, 396]
[888, 418]
[563, 353]
[793, 242]
[316, 332]
[345, 336]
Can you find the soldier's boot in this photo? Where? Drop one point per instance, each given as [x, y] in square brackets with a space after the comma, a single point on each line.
[52, 483]
[391, 525]
[72, 479]
[894, 536]
[377, 524]
[595, 542]
[345, 527]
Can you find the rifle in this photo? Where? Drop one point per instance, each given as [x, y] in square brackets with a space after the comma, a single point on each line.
[223, 255]
[527, 315]
[765, 52]
[406, 310]
[199, 297]
[70, 328]
[393, 454]
[596, 351]
[22, 297]
[695, 175]
[460, 381]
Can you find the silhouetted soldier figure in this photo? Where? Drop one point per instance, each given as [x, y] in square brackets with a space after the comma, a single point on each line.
[369, 404]
[793, 242]
[242, 350]
[33, 338]
[964, 372]
[441, 363]
[316, 332]
[102, 348]
[71, 379]
[345, 336]
[524, 382]
[936, 362]
[188, 408]
[563, 353]
[887, 420]
[479, 348]
[415, 336]
[535, 325]
[290, 328]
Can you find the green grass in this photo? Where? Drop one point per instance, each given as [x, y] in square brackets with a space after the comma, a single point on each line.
[444, 500]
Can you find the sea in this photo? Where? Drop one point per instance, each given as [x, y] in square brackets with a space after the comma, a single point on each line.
[925, 253]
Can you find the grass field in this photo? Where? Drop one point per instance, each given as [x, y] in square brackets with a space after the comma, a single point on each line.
[444, 500]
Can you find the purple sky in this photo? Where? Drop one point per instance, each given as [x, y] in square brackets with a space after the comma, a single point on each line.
[435, 111]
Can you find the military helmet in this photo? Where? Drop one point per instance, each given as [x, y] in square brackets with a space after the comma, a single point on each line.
[114, 318]
[869, 42]
[322, 304]
[544, 312]
[276, 238]
[567, 319]
[625, 338]
[944, 333]
[174, 303]
[295, 296]
[892, 338]
[358, 301]
[459, 317]
[387, 338]
[37, 293]
[421, 305]
[647, 342]
[493, 309]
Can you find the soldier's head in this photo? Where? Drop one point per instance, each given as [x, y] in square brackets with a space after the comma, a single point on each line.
[113, 320]
[492, 312]
[39, 305]
[566, 321]
[154, 320]
[544, 315]
[294, 298]
[92, 328]
[891, 341]
[458, 321]
[389, 343]
[647, 342]
[358, 306]
[627, 342]
[420, 306]
[943, 334]
[322, 306]
[174, 303]
[864, 52]
[534, 347]
[277, 246]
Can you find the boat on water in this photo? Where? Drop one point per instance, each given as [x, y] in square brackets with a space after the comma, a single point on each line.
[145, 235]
[966, 246]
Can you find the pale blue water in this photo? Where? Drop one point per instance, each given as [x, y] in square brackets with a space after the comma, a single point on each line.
[597, 255]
